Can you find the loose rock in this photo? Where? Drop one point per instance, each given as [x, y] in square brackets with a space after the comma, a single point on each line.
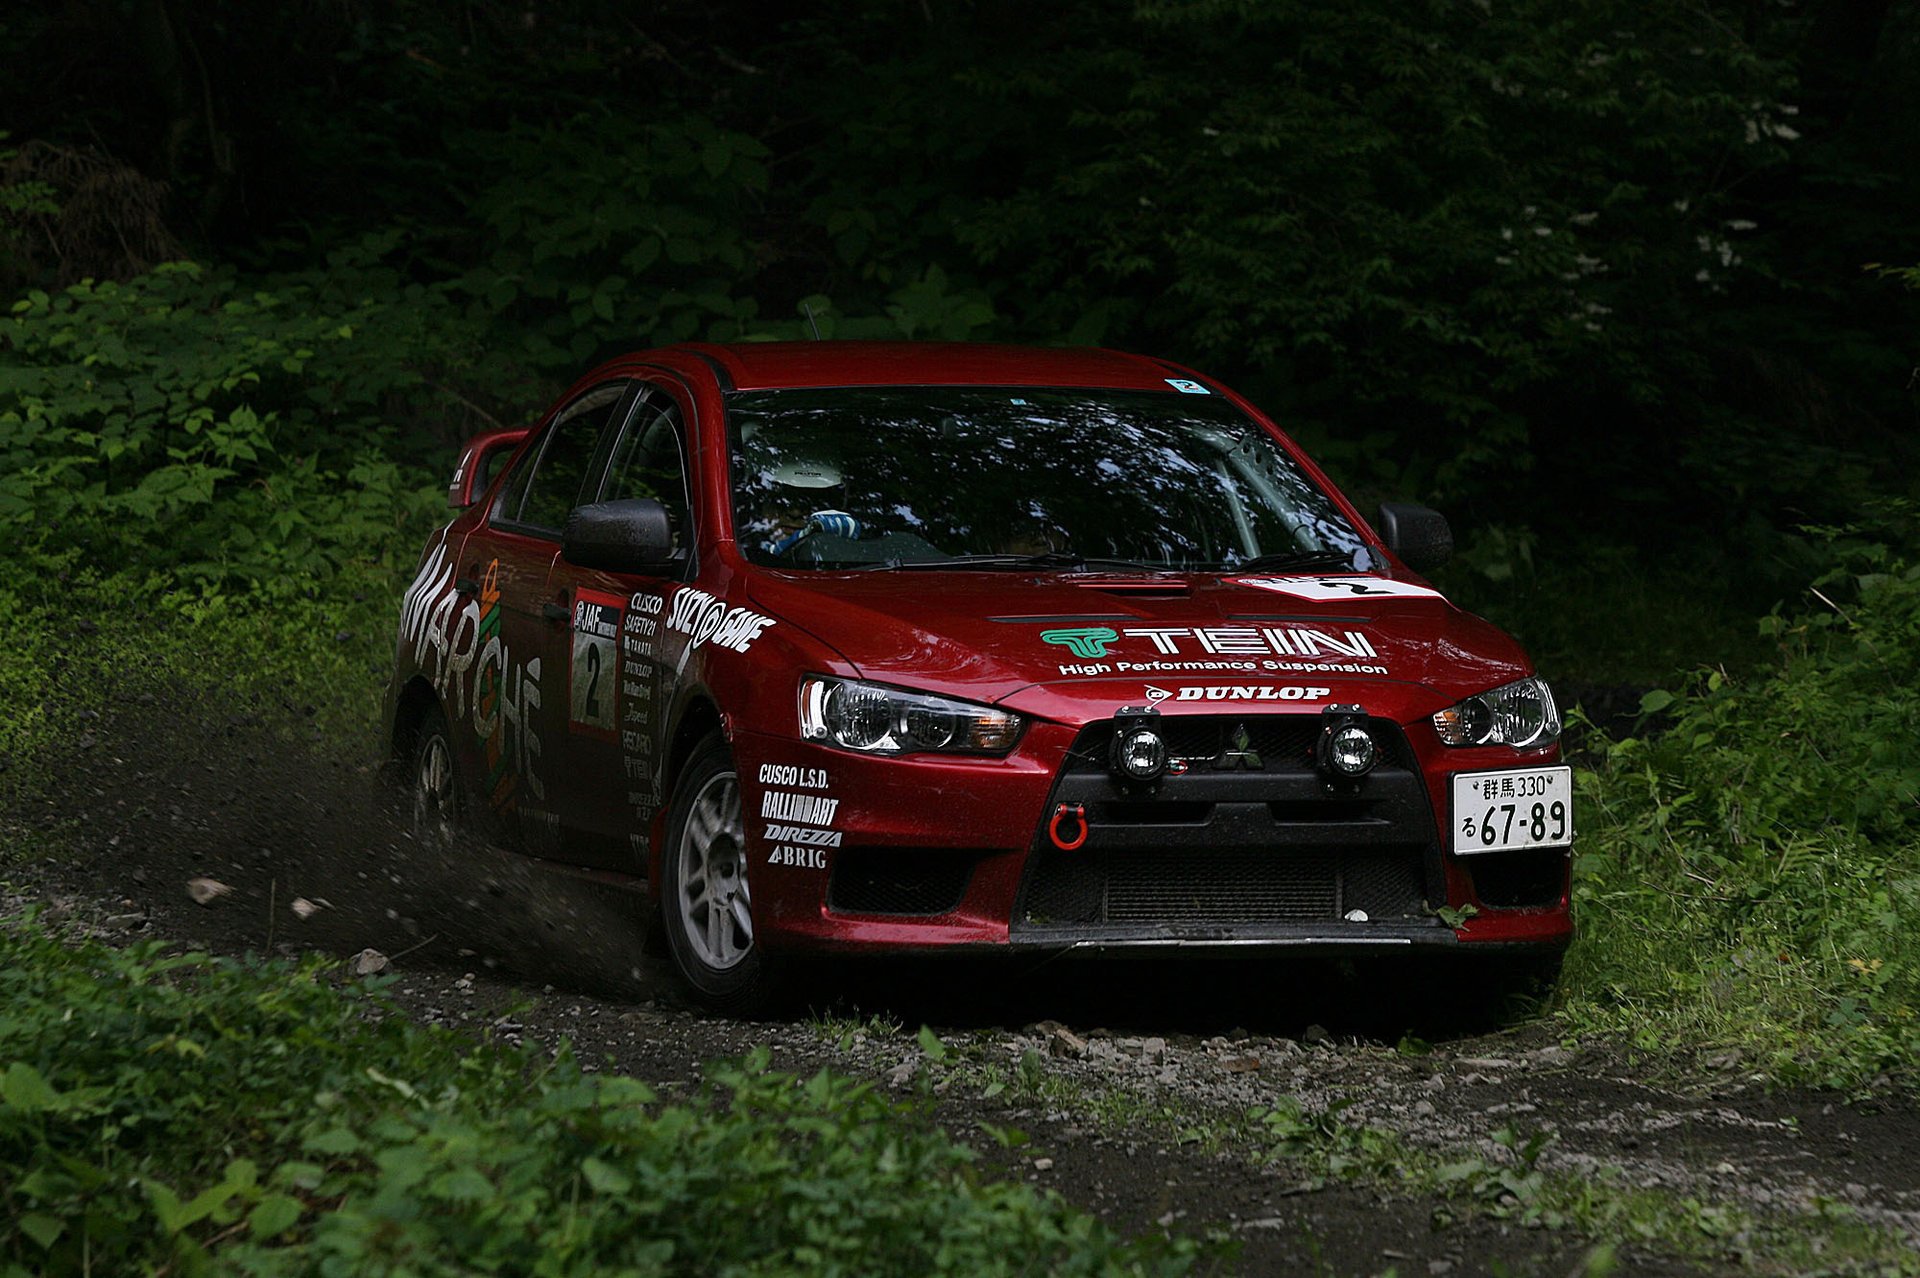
[206, 891]
[368, 962]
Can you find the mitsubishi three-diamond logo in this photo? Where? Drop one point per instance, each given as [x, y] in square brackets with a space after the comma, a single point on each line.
[1084, 641]
[1239, 753]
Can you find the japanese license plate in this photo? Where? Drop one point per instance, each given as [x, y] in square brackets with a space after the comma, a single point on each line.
[1502, 811]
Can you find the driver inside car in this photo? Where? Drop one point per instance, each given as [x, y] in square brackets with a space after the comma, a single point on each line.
[804, 503]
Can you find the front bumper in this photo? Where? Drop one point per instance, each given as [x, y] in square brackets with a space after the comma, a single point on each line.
[945, 854]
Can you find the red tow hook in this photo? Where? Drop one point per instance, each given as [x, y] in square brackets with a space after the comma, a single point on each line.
[1069, 813]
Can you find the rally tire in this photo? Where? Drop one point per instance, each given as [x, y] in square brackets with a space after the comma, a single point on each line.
[706, 905]
[438, 801]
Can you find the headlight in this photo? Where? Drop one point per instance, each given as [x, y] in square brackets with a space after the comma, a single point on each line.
[879, 720]
[1518, 714]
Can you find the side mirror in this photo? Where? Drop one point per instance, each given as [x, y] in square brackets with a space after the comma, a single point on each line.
[631, 535]
[1418, 534]
[474, 473]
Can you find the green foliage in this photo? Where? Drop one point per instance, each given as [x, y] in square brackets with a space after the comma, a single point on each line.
[185, 421]
[205, 1115]
[1598, 611]
[1750, 875]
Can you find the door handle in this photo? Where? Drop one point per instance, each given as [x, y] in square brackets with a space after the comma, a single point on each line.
[555, 613]
[465, 586]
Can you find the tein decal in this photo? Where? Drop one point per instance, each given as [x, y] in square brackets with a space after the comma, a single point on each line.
[1202, 649]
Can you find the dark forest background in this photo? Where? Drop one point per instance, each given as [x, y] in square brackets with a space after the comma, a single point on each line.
[1613, 283]
[1627, 288]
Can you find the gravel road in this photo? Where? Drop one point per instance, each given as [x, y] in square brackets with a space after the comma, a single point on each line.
[1132, 1085]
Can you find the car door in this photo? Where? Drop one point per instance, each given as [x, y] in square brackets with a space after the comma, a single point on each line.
[515, 699]
[608, 781]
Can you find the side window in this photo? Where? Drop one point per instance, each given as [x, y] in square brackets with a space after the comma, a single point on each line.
[648, 462]
[548, 485]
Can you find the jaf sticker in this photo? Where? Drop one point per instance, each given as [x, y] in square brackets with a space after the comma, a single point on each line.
[1342, 589]
[594, 672]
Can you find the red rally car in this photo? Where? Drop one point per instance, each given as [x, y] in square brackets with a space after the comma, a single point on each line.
[867, 648]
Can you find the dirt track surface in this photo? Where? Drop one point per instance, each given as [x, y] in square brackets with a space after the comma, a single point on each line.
[1149, 1070]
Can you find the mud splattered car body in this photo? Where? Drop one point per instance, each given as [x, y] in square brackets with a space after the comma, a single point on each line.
[849, 647]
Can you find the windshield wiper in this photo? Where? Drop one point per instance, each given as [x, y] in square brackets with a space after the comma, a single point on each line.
[1298, 559]
[1047, 559]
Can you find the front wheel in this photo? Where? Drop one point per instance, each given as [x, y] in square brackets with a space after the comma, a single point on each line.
[705, 898]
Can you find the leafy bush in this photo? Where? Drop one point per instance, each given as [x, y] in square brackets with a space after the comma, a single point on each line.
[193, 1113]
[185, 420]
[1751, 874]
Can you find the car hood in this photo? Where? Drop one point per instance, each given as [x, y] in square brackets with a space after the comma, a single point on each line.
[1042, 642]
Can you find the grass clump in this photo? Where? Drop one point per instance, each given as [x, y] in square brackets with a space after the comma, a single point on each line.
[199, 1115]
[1749, 878]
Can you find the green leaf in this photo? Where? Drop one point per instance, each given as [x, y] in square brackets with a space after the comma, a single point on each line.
[605, 1178]
[1657, 700]
[335, 1140]
[42, 1229]
[274, 1215]
[930, 1043]
[463, 1185]
[22, 1087]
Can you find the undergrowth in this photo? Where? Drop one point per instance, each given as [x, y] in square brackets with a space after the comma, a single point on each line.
[1748, 876]
[189, 1114]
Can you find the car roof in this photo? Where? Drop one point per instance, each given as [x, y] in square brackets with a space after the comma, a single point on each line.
[789, 365]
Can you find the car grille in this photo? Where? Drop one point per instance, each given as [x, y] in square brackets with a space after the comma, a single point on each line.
[1234, 848]
[899, 881]
[1222, 886]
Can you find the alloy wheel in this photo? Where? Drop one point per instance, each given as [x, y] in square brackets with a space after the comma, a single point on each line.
[716, 911]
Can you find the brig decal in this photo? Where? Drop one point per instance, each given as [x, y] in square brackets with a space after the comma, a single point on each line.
[1342, 589]
[798, 858]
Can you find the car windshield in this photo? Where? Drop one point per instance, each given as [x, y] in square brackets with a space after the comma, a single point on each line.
[968, 477]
